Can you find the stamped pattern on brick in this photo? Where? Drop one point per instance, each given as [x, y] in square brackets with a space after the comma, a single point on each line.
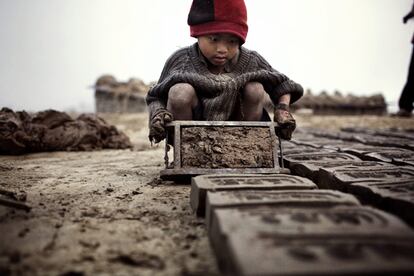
[350, 221]
[201, 184]
[396, 196]
[310, 169]
[247, 198]
[253, 254]
[340, 178]
[287, 235]
[332, 156]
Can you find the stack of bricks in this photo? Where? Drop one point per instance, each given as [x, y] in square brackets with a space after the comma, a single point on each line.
[337, 103]
[113, 96]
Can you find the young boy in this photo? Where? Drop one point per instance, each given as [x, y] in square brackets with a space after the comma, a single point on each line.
[216, 79]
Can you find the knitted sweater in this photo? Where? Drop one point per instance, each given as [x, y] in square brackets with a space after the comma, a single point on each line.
[219, 94]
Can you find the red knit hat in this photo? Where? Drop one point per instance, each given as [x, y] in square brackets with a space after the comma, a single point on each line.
[218, 16]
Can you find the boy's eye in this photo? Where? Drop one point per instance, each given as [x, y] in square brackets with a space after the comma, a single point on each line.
[213, 38]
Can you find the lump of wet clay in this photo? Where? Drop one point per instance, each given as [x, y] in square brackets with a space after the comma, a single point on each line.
[226, 147]
[51, 130]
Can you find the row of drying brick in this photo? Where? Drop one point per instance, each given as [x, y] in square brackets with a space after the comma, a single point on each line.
[284, 225]
[378, 176]
[374, 138]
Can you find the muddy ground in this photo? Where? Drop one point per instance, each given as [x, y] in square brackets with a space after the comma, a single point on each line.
[108, 213]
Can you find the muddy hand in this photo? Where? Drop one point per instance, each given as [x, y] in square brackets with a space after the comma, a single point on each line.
[157, 126]
[286, 122]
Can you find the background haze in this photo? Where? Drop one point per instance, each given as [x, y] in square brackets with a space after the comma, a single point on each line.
[52, 51]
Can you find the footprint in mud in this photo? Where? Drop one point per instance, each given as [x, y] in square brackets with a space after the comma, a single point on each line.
[140, 259]
[90, 244]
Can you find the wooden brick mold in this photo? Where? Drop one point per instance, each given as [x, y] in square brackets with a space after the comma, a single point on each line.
[216, 147]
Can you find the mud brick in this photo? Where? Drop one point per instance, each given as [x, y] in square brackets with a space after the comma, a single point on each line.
[224, 182]
[303, 143]
[287, 198]
[382, 132]
[318, 143]
[366, 139]
[396, 197]
[332, 144]
[305, 140]
[311, 223]
[258, 254]
[340, 178]
[288, 145]
[311, 169]
[331, 156]
[300, 224]
[393, 156]
[338, 144]
[360, 150]
[339, 135]
[387, 154]
[304, 150]
[300, 149]
[389, 142]
[404, 162]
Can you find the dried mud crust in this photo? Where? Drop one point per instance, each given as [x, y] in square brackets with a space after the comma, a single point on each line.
[230, 147]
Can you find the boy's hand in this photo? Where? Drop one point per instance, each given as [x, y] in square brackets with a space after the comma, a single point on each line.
[285, 120]
[157, 126]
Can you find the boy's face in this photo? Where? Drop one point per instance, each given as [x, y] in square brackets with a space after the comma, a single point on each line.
[219, 48]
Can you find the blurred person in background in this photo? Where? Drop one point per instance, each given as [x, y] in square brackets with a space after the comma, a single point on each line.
[406, 100]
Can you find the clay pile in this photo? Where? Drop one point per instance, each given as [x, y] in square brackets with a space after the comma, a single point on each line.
[112, 96]
[339, 104]
[50, 130]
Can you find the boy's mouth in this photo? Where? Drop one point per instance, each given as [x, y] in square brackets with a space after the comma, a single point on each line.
[219, 60]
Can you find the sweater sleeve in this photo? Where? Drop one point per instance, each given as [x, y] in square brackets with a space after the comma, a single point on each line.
[157, 95]
[284, 86]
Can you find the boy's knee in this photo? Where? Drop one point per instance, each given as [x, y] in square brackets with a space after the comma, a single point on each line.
[254, 92]
[182, 94]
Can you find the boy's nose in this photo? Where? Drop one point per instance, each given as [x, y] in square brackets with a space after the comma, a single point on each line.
[222, 48]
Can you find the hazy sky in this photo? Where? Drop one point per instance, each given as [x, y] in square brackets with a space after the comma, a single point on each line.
[51, 51]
